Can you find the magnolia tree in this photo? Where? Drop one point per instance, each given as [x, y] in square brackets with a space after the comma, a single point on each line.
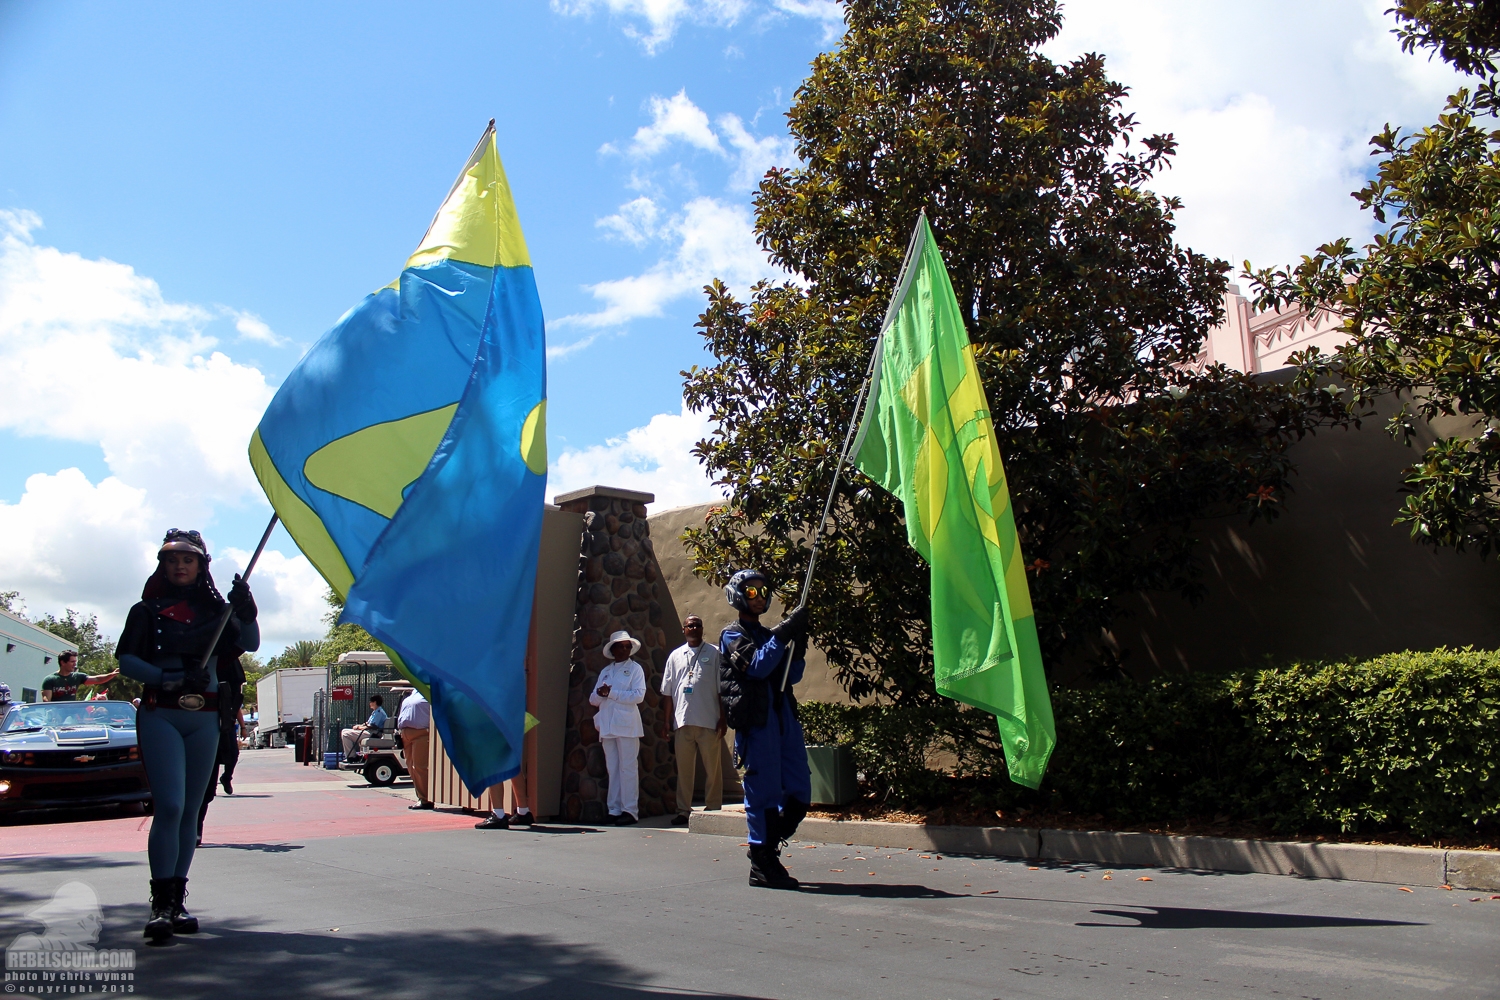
[1087, 315]
[1420, 301]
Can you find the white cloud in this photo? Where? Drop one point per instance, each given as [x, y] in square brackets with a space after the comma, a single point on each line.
[252, 327]
[656, 458]
[829, 12]
[712, 239]
[556, 352]
[94, 353]
[756, 156]
[1272, 106]
[675, 117]
[288, 595]
[678, 119]
[660, 17]
[635, 222]
[70, 543]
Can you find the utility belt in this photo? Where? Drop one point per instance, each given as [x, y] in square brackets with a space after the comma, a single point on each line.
[155, 698]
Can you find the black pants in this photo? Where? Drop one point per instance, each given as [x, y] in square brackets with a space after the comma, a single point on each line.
[229, 756]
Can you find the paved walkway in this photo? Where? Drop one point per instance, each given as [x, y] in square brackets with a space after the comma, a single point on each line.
[298, 897]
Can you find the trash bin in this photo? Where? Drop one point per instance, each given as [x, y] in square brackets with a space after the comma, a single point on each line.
[834, 782]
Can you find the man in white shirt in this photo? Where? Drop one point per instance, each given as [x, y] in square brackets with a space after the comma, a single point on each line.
[617, 696]
[690, 695]
[413, 722]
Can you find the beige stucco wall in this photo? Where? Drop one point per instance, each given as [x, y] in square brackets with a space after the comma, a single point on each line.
[691, 595]
[1330, 578]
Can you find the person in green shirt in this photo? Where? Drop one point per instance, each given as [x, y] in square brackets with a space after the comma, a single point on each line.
[64, 685]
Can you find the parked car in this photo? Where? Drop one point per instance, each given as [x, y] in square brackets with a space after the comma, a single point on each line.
[70, 753]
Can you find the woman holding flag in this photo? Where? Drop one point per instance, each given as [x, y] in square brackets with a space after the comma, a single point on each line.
[181, 624]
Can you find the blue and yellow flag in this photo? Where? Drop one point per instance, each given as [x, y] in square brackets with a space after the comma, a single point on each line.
[406, 454]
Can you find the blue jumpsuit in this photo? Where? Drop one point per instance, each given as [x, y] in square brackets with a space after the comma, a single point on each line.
[178, 749]
[774, 755]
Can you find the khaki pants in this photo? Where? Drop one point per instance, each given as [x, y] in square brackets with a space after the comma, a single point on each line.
[690, 742]
[415, 743]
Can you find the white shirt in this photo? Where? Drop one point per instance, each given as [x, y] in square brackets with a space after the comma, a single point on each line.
[691, 680]
[415, 713]
[619, 714]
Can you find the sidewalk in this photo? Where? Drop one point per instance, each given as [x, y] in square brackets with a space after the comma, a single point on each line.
[1350, 862]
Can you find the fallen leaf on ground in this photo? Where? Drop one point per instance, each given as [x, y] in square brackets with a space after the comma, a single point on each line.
[871, 873]
[1402, 888]
[836, 869]
[1448, 887]
[1477, 899]
[1108, 878]
[927, 856]
[989, 892]
[968, 886]
[809, 847]
[1144, 878]
[1033, 868]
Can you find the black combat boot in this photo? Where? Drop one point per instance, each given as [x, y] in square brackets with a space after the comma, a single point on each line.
[159, 927]
[183, 922]
[766, 870]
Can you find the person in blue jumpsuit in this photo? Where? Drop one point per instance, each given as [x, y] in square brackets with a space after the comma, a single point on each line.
[178, 725]
[768, 741]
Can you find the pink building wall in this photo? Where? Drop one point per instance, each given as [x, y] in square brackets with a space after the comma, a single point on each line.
[1252, 342]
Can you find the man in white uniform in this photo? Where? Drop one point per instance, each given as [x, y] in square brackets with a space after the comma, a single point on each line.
[690, 691]
[618, 695]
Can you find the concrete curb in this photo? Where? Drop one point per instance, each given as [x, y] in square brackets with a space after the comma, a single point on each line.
[1352, 862]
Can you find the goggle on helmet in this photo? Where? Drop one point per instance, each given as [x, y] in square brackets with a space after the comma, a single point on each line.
[179, 540]
[739, 590]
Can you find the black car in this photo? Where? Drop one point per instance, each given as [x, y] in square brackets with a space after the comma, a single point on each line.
[70, 753]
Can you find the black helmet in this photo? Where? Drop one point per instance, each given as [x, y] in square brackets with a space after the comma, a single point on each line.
[734, 590]
[178, 540]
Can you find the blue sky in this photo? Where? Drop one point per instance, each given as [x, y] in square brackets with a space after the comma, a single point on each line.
[193, 193]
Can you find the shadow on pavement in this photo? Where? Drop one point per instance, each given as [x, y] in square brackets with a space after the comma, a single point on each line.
[32, 863]
[1189, 918]
[226, 957]
[263, 848]
[877, 890]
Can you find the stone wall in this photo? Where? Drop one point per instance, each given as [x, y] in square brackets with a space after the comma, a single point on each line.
[620, 586]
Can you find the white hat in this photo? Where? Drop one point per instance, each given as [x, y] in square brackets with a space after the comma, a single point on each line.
[622, 636]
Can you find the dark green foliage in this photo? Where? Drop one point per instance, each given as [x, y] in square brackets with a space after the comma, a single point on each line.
[1086, 314]
[96, 651]
[1407, 742]
[1419, 301]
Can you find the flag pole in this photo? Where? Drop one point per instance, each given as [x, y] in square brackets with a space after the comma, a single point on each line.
[854, 420]
[250, 568]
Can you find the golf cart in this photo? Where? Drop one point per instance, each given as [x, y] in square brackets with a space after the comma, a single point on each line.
[380, 758]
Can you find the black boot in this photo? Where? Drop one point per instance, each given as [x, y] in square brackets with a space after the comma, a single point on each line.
[159, 927]
[183, 922]
[792, 814]
[766, 869]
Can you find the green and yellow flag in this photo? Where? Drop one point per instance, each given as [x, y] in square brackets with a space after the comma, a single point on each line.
[928, 438]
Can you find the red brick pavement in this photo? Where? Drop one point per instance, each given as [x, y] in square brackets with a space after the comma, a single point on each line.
[312, 804]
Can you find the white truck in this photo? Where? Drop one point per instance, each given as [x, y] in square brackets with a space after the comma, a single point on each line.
[285, 698]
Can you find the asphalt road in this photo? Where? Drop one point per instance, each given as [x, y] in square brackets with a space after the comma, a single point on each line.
[567, 911]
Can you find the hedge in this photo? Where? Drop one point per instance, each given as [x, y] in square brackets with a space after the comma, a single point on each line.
[1404, 742]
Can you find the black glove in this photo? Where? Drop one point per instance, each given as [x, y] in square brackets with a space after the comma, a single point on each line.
[242, 600]
[793, 626]
[799, 648]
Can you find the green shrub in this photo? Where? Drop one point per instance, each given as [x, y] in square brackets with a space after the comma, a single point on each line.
[1407, 741]
[1404, 742]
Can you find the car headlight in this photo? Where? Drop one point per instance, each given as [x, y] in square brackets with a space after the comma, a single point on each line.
[17, 758]
[4, 788]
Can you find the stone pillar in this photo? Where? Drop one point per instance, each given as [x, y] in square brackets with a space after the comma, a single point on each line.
[620, 586]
